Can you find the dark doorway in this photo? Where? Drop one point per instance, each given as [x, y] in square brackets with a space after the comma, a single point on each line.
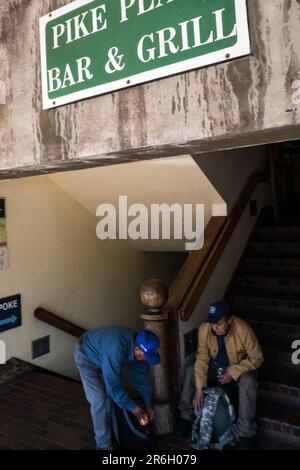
[285, 175]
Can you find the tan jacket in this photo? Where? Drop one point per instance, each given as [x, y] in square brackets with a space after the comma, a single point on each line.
[244, 352]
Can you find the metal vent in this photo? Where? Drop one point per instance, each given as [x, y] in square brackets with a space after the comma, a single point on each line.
[40, 347]
[190, 342]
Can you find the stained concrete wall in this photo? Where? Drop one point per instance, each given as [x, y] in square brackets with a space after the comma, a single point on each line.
[244, 102]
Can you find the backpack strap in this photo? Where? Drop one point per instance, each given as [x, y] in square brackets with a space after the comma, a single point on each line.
[203, 425]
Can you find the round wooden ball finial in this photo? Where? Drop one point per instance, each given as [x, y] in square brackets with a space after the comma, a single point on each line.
[154, 294]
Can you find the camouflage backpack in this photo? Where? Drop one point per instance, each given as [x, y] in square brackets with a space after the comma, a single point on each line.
[214, 425]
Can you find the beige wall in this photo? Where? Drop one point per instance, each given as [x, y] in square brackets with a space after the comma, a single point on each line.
[166, 180]
[57, 262]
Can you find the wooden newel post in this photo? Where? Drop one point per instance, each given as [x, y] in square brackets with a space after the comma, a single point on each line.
[154, 296]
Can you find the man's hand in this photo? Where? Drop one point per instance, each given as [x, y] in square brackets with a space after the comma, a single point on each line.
[225, 378]
[137, 411]
[150, 412]
[198, 400]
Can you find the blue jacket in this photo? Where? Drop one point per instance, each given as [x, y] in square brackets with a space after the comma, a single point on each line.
[111, 349]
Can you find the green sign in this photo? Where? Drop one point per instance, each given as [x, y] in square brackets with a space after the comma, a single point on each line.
[91, 47]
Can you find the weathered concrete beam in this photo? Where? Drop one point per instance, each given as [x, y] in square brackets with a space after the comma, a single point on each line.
[240, 103]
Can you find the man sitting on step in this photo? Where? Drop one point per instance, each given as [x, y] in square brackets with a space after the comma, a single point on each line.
[228, 356]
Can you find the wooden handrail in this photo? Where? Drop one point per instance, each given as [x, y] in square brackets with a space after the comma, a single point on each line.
[194, 275]
[58, 322]
[189, 270]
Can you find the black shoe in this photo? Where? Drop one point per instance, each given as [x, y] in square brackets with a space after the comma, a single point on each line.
[246, 443]
[183, 428]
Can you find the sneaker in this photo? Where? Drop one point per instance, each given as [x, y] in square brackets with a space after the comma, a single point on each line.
[183, 428]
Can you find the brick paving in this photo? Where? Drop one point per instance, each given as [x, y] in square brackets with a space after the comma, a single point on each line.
[40, 411]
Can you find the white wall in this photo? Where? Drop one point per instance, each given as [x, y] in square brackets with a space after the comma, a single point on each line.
[229, 172]
[57, 262]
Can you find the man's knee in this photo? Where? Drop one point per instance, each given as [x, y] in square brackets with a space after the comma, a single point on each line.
[248, 380]
[188, 377]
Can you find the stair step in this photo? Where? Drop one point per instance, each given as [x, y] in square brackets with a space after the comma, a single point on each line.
[277, 233]
[270, 390]
[264, 265]
[287, 282]
[273, 326]
[277, 354]
[280, 377]
[265, 297]
[280, 384]
[281, 422]
[262, 312]
[275, 248]
[287, 321]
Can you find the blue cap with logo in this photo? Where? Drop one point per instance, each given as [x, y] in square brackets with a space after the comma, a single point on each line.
[218, 310]
[148, 343]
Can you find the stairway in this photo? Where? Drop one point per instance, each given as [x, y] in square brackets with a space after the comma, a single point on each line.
[40, 410]
[265, 292]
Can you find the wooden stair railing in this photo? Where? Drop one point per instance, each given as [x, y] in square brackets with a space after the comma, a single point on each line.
[58, 322]
[196, 271]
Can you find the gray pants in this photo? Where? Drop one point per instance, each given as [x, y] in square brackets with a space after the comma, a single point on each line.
[247, 391]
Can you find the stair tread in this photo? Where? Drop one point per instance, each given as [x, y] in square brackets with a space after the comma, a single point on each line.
[276, 256]
[276, 243]
[281, 377]
[264, 292]
[280, 319]
[271, 274]
[276, 411]
[279, 347]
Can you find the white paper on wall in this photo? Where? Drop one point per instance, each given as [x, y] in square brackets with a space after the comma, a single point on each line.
[3, 258]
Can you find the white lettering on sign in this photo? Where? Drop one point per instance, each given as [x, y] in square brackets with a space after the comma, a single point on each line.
[90, 47]
[171, 40]
[150, 5]
[8, 305]
[58, 79]
[75, 28]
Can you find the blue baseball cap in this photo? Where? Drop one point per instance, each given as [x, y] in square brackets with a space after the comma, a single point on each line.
[148, 343]
[218, 310]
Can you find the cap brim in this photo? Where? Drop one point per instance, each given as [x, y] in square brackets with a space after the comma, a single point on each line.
[212, 321]
[153, 358]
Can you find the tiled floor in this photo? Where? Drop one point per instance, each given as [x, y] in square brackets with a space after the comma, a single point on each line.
[41, 411]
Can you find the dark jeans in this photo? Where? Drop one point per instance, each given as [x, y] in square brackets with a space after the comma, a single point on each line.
[243, 394]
